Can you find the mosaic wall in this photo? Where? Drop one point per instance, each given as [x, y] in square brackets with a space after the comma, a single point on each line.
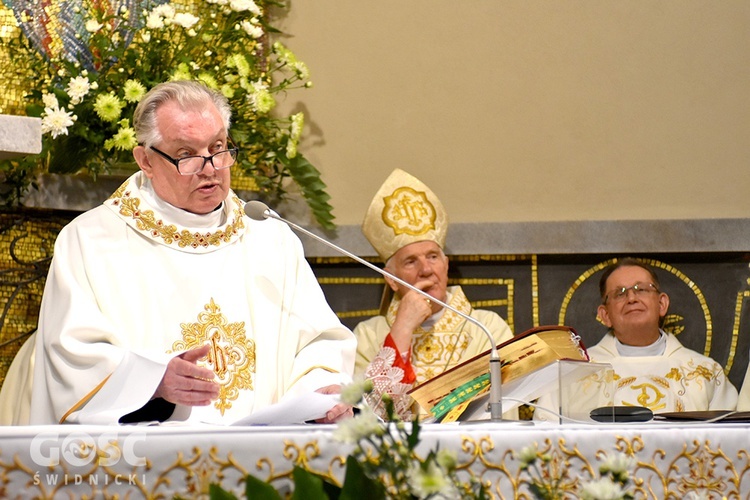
[709, 311]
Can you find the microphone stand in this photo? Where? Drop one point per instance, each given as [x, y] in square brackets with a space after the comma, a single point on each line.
[258, 210]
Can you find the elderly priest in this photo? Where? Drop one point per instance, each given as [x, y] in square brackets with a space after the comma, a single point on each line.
[415, 339]
[167, 302]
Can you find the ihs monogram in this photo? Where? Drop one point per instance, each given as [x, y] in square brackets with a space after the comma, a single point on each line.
[232, 354]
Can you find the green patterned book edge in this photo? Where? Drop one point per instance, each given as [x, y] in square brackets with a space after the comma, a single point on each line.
[460, 394]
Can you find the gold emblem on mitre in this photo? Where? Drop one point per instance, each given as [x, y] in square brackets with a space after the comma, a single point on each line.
[404, 211]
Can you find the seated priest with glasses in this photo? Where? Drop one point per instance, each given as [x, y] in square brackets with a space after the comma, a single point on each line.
[167, 302]
[651, 367]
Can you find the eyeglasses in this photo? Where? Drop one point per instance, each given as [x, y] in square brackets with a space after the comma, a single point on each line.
[190, 165]
[639, 289]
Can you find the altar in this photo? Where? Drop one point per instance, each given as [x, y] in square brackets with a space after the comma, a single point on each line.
[672, 460]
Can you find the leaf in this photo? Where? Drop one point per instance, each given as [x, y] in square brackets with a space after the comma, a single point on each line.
[216, 492]
[313, 188]
[307, 486]
[129, 50]
[413, 439]
[357, 486]
[257, 489]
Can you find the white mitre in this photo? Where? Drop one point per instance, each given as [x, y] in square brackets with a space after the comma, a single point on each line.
[404, 211]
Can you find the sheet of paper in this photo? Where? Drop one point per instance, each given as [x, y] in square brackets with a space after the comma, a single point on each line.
[296, 410]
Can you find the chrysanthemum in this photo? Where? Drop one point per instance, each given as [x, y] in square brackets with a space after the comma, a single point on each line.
[291, 148]
[239, 62]
[243, 5]
[182, 72]
[92, 25]
[363, 425]
[429, 480]
[284, 55]
[619, 465]
[447, 459]
[260, 97]
[55, 121]
[165, 10]
[50, 100]
[301, 69]
[124, 140]
[603, 489]
[77, 89]
[227, 91]
[133, 91]
[352, 393]
[527, 456]
[108, 107]
[154, 21]
[208, 80]
[185, 20]
[298, 121]
[254, 30]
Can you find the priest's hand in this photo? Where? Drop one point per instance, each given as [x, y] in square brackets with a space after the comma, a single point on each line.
[413, 310]
[186, 383]
[339, 412]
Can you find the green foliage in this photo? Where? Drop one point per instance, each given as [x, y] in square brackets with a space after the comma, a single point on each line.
[384, 464]
[86, 98]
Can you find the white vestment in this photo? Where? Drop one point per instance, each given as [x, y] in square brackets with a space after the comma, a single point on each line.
[136, 281]
[434, 349]
[678, 380]
[743, 403]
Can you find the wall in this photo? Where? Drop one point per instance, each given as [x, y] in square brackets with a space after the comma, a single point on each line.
[530, 110]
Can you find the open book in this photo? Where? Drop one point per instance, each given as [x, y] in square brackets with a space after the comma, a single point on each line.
[527, 362]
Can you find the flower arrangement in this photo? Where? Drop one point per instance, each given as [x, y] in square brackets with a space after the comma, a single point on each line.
[383, 464]
[546, 484]
[114, 51]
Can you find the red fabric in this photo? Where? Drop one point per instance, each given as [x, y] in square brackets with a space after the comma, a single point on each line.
[409, 375]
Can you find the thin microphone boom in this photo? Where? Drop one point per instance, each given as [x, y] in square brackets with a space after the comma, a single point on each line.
[259, 211]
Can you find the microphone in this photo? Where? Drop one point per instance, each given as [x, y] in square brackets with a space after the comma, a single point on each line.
[259, 211]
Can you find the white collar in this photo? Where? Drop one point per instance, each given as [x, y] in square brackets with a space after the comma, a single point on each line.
[179, 216]
[655, 349]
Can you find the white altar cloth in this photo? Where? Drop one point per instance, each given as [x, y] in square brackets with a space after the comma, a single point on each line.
[163, 461]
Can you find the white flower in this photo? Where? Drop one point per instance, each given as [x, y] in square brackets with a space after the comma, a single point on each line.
[351, 394]
[254, 30]
[49, 100]
[154, 21]
[302, 70]
[603, 489]
[185, 20]
[617, 464]
[447, 459]
[243, 5]
[56, 121]
[92, 25]
[77, 89]
[527, 456]
[165, 10]
[260, 97]
[352, 430]
[430, 481]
